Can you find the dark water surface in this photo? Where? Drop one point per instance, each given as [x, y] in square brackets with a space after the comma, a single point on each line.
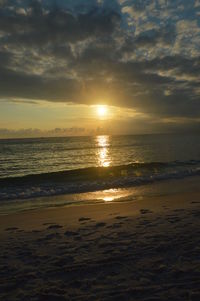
[50, 166]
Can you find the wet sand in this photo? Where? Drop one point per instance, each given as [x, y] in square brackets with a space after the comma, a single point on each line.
[140, 250]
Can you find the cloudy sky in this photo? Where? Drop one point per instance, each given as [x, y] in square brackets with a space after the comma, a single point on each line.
[60, 59]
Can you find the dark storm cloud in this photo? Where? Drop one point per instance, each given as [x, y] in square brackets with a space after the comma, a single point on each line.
[38, 26]
[152, 37]
[36, 87]
[138, 54]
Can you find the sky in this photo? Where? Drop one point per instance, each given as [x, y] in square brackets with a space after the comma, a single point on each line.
[60, 59]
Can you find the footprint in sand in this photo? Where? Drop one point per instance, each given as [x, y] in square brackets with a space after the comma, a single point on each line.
[101, 224]
[195, 202]
[196, 213]
[84, 219]
[121, 217]
[12, 229]
[54, 227]
[115, 226]
[145, 211]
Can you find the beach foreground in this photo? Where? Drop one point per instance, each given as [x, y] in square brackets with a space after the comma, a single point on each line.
[142, 250]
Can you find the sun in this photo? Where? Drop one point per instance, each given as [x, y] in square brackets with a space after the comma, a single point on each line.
[102, 110]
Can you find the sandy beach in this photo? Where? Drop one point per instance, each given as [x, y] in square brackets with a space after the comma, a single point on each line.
[99, 150]
[135, 250]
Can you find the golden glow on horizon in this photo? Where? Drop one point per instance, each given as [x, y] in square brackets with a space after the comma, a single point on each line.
[103, 153]
[102, 110]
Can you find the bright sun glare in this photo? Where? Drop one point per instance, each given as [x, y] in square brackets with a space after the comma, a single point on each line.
[102, 111]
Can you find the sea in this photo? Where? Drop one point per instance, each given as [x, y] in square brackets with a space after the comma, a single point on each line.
[40, 167]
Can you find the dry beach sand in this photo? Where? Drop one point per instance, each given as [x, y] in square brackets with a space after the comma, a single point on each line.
[140, 250]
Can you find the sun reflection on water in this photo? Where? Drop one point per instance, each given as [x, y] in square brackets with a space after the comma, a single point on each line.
[113, 194]
[108, 198]
[103, 152]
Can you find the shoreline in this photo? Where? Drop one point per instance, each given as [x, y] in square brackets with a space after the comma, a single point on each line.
[112, 195]
[35, 218]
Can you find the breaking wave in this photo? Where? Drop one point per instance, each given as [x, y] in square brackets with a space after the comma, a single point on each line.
[94, 178]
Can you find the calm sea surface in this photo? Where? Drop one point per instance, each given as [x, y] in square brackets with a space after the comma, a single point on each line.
[46, 166]
[19, 157]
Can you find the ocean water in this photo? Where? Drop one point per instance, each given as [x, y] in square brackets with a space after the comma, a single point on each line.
[53, 166]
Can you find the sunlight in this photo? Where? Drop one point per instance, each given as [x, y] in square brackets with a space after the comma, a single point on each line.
[113, 194]
[108, 198]
[103, 153]
[102, 110]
